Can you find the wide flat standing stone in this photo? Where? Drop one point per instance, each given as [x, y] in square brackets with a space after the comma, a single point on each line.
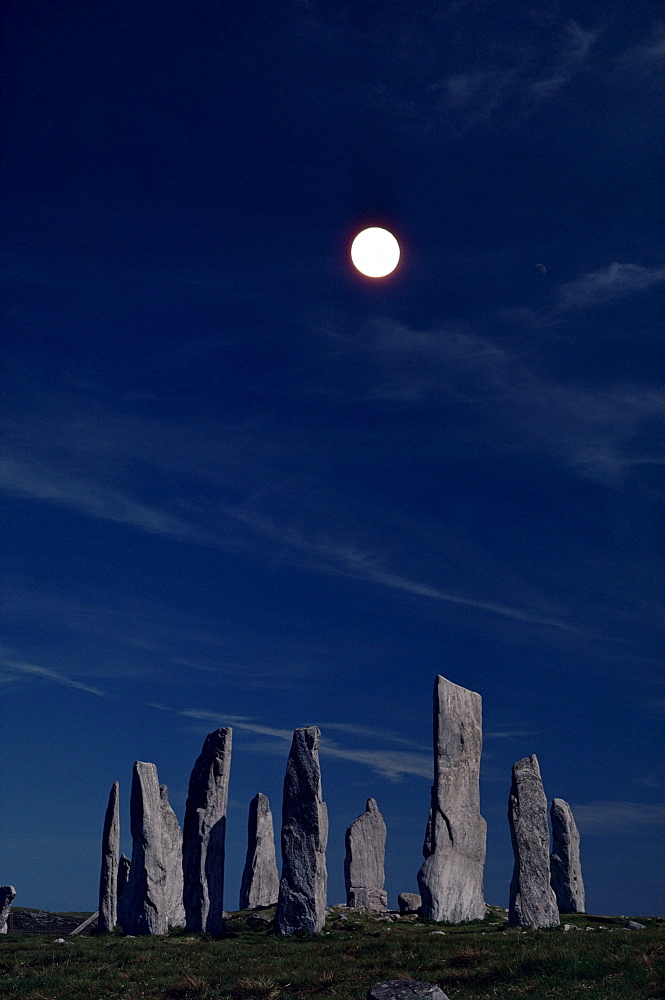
[143, 901]
[364, 875]
[172, 855]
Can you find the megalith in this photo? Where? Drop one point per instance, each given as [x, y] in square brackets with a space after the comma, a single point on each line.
[260, 881]
[204, 834]
[108, 878]
[7, 897]
[364, 874]
[172, 854]
[451, 878]
[301, 904]
[124, 865]
[565, 868]
[143, 901]
[532, 901]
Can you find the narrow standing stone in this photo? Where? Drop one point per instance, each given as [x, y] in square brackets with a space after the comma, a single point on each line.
[7, 897]
[364, 875]
[565, 868]
[124, 865]
[108, 879]
[143, 904]
[172, 854]
[204, 834]
[451, 878]
[302, 889]
[532, 900]
[260, 881]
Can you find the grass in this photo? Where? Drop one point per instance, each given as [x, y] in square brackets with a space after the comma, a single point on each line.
[484, 960]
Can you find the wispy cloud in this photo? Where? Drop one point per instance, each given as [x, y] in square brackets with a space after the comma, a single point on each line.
[615, 281]
[51, 675]
[611, 818]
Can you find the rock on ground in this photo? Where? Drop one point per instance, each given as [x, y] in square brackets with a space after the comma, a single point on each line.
[532, 901]
[302, 890]
[364, 875]
[409, 902]
[204, 834]
[405, 989]
[260, 881]
[451, 878]
[7, 897]
[143, 901]
[565, 868]
[108, 878]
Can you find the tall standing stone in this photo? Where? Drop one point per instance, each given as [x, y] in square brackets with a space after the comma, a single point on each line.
[302, 890]
[364, 874]
[260, 881]
[108, 878]
[172, 854]
[204, 834]
[565, 868]
[532, 901]
[124, 866]
[7, 897]
[451, 878]
[143, 904]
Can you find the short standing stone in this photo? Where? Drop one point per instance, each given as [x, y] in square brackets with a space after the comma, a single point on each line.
[565, 868]
[108, 878]
[409, 902]
[7, 897]
[451, 878]
[405, 989]
[260, 881]
[204, 834]
[302, 890]
[532, 900]
[364, 875]
[172, 854]
[124, 865]
[143, 901]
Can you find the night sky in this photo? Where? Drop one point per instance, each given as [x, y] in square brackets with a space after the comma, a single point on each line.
[244, 485]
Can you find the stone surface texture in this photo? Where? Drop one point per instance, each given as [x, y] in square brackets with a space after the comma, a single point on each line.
[124, 865]
[172, 855]
[405, 989]
[565, 868]
[532, 901]
[204, 834]
[451, 878]
[260, 881]
[7, 897]
[108, 878]
[409, 902]
[302, 890]
[364, 874]
[143, 907]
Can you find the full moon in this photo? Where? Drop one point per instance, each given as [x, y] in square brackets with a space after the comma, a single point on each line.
[375, 252]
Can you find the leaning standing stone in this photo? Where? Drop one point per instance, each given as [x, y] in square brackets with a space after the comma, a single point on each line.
[108, 878]
[302, 890]
[364, 874]
[260, 881]
[204, 834]
[7, 897]
[565, 868]
[532, 900]
[143, 903]
[451, 878]
[172, 853]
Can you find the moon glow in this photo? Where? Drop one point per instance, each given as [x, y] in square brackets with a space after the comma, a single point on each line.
[375, 252]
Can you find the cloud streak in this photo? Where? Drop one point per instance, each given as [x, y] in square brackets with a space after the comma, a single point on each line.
[51, 675]
[613, 282]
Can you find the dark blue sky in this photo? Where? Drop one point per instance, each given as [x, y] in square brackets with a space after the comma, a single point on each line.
[243, 485]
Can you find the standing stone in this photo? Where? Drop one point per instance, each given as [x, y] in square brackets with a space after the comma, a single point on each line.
[143, 903]
[7, 897]
[108, 879]
[364, 875]
[124, 865]
[302, 890]
[260, 881]
[172, 853]
[204, 834]
[451, 878]
[532, 900]
[565, 868]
